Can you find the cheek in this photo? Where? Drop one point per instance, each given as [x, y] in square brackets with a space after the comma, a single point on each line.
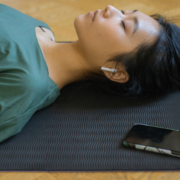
[99, 37]
[112, 38]
[105, 40]
[106, 35]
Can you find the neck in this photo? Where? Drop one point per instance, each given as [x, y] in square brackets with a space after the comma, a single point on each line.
[68, 62]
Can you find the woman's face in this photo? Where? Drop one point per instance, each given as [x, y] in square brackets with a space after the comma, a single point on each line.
[105, 36]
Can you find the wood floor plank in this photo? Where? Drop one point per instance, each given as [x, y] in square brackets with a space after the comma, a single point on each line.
[90, 175]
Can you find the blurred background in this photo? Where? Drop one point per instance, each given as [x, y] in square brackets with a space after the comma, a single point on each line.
[60, 14]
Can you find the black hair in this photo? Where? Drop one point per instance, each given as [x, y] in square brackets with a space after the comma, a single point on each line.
[153, 68]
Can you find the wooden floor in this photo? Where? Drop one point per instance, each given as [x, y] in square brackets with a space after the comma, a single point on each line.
[60, 15]
[90, 176]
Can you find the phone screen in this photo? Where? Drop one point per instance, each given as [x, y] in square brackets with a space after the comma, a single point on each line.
[155, 137]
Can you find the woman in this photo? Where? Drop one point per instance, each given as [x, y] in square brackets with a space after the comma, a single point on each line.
[147, 61]
[143, 52]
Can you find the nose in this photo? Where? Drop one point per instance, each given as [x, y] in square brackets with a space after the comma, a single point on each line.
[108, 7]
[112, 11]
[107, 11]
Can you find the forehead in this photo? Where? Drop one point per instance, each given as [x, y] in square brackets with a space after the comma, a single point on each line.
[147, 25]
[149, 22]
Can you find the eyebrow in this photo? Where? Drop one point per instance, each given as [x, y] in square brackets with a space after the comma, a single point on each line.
[136, 21]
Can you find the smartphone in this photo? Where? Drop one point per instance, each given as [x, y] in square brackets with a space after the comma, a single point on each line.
[154, 139]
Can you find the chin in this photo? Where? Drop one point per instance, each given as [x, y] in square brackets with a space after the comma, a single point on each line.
[78, 21]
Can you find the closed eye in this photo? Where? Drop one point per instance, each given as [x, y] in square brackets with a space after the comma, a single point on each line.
[123, 24]
[123, 21]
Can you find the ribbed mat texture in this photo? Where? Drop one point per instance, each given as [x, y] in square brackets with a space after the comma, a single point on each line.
[83, 131]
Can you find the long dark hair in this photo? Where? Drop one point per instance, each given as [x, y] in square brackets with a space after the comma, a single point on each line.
[153, 69]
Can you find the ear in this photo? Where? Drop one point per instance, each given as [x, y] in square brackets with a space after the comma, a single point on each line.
[121, 76]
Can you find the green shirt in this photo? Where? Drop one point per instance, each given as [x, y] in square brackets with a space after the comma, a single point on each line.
[25, 85]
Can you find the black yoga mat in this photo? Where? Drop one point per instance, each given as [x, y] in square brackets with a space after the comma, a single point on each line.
[83, 131]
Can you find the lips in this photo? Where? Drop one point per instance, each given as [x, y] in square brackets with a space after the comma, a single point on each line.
[95, 14]
[92, 15]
